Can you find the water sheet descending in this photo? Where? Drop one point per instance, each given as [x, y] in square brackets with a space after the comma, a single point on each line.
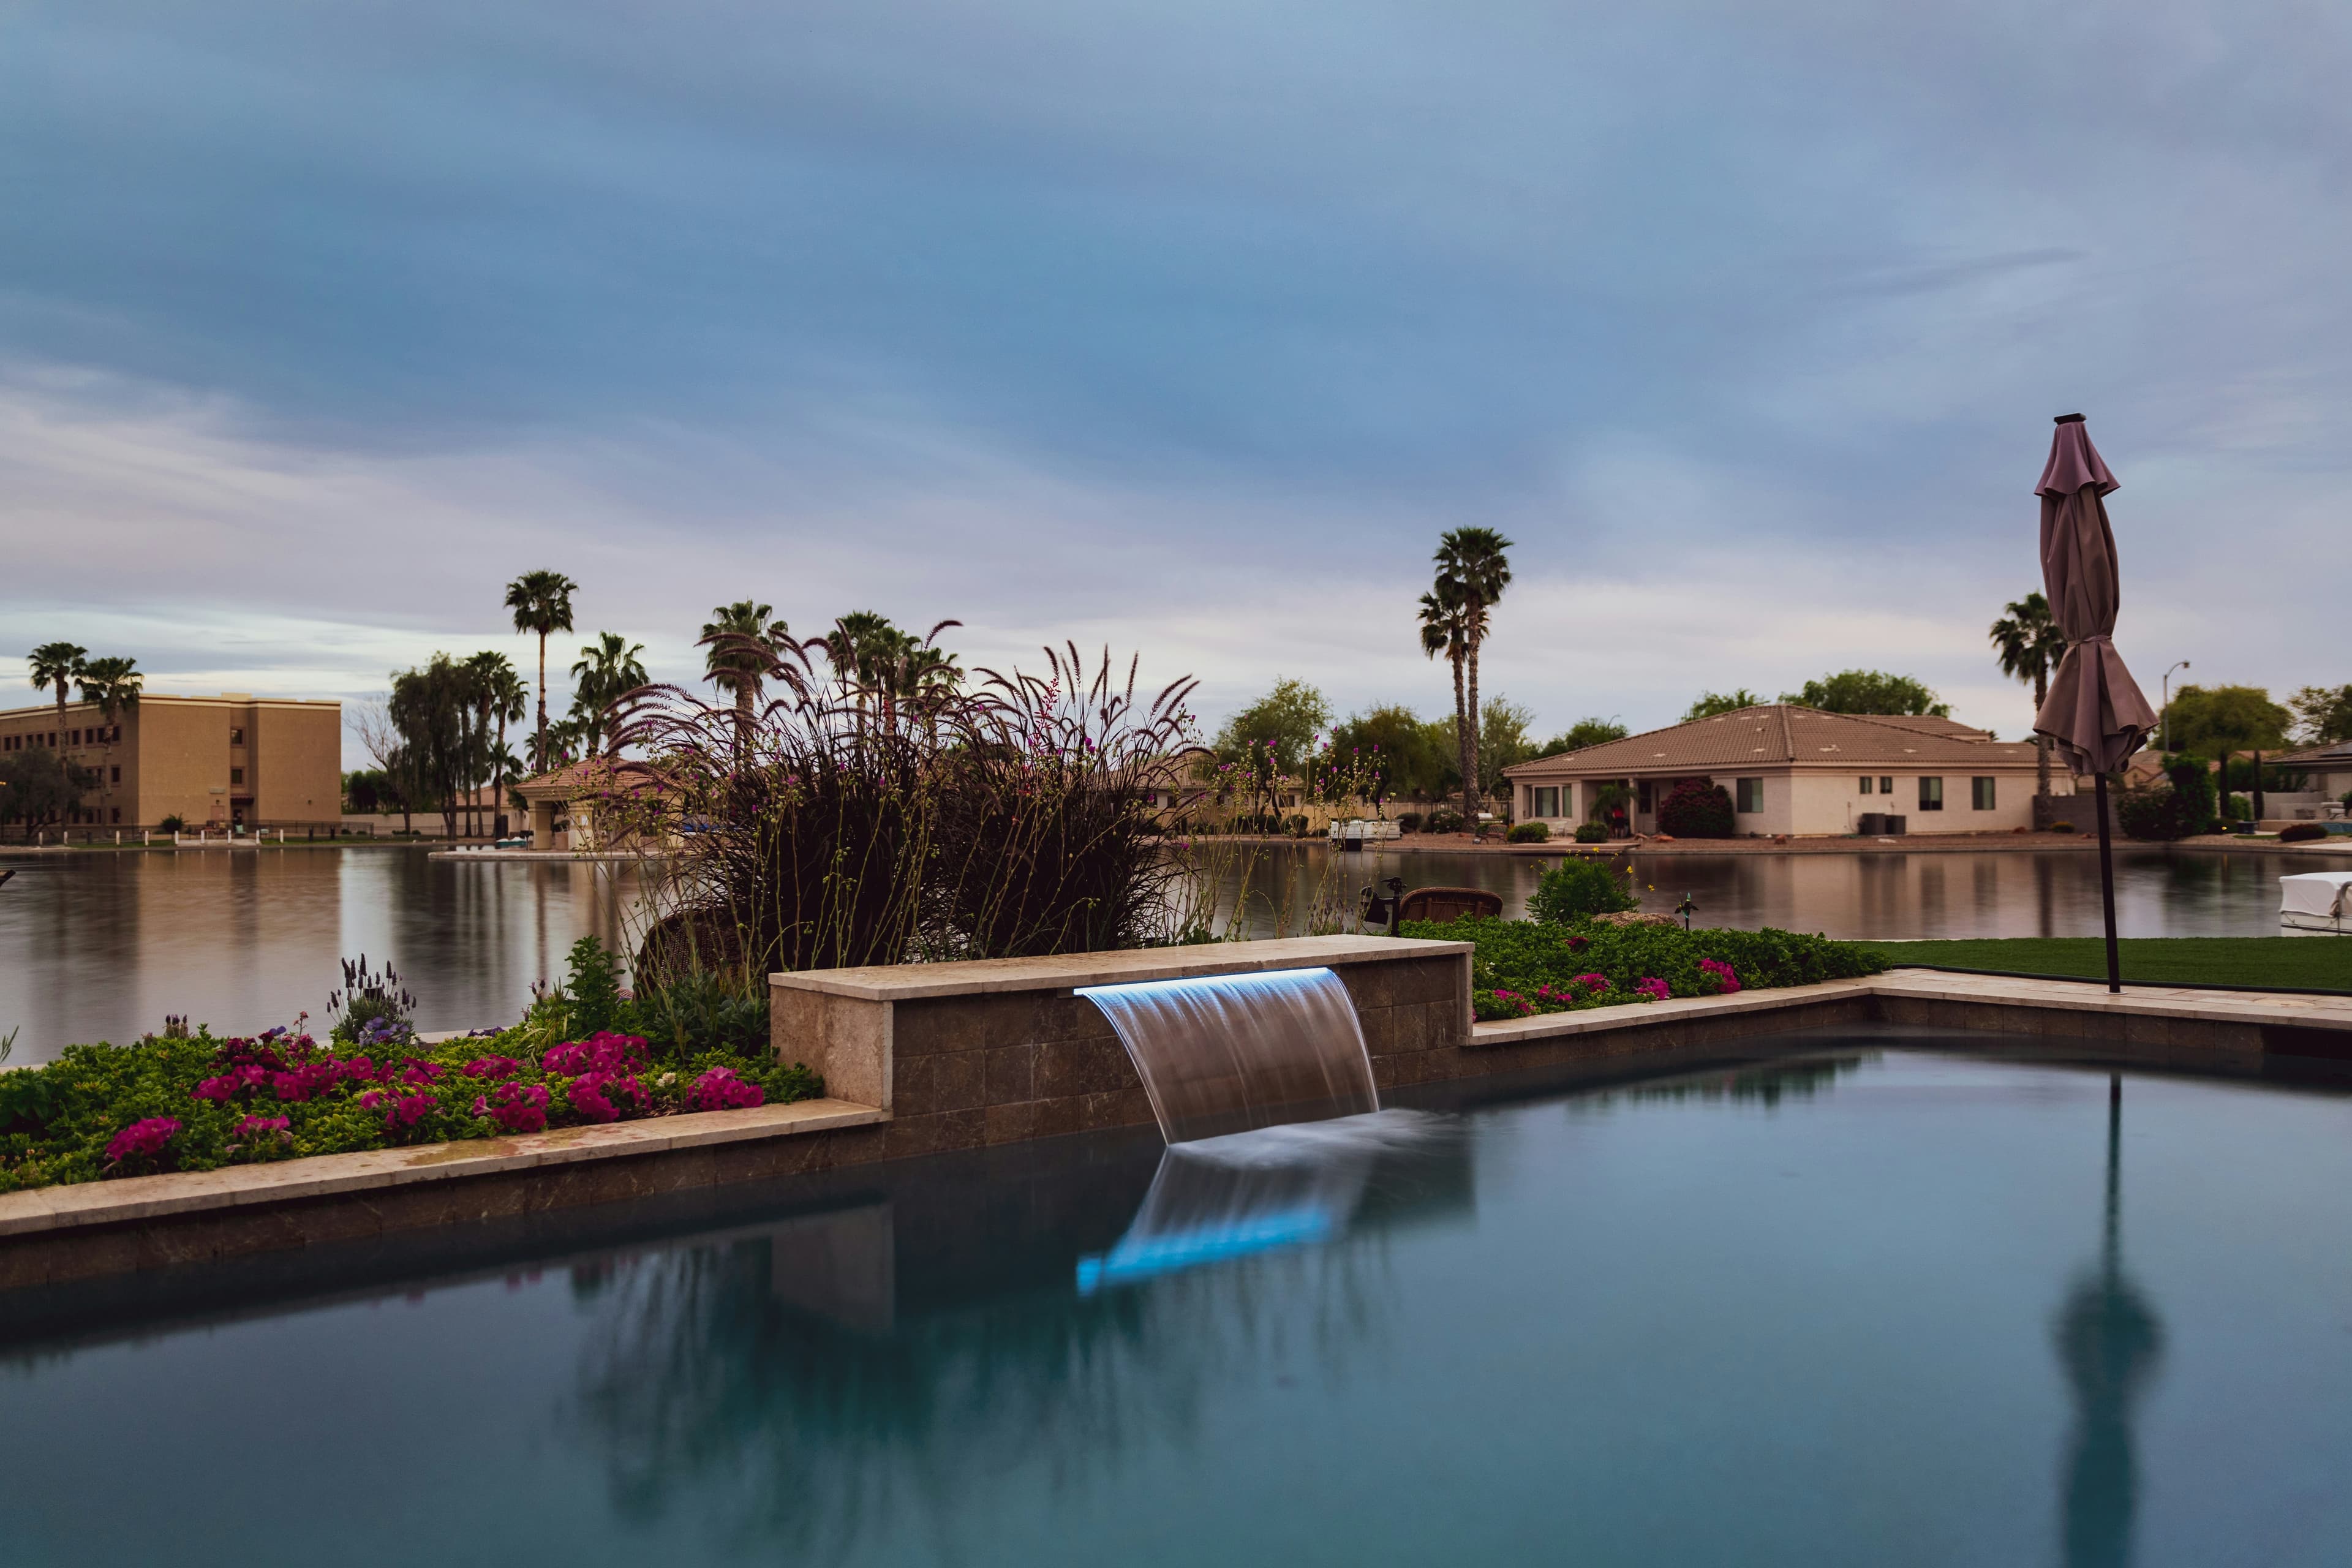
[1226, 1053]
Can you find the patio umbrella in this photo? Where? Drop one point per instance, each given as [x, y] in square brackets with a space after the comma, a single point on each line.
[2095, 713]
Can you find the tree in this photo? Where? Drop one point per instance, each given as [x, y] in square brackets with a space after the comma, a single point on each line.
[114, 683]
[1583, 733]
[607, 670]
[1869, 691]
[2027, 642]
[1473, 562]
[1282, 724]
[38, 784]
[2213, 721]
[509, 700]
[1445, 628]
[2323, 714]
[58, 664]
[1393, 754]
[741, 644]
[1709, 704]
[541, 603]
[1502, 743]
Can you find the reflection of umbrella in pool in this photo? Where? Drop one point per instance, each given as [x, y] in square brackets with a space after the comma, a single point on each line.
[2095, 711]
[2110, 1342]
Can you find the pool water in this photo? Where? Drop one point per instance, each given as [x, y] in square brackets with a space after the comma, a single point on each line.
[1867, 1304]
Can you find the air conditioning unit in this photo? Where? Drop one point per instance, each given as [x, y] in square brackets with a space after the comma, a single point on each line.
[1871, 825]
[1897, 825]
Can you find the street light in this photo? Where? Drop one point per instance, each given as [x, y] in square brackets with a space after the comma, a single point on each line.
[2164, 738]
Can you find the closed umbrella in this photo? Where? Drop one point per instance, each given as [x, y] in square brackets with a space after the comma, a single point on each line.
[2094, 714]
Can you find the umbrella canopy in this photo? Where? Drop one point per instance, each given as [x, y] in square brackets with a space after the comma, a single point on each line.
[2095, 713]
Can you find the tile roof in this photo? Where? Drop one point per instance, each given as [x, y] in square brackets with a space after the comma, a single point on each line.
[2341, 752]
[1784, 733]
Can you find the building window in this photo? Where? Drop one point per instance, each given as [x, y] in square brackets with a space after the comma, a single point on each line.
[118, 813]
[1866, 782]
[1643, 799]
[1751, 794]
[1980, 794]
[1547, 800]
[1885, 784]
[118, 775]
[1931, 795]
[236, 734]
[73, 737]
[237, 775]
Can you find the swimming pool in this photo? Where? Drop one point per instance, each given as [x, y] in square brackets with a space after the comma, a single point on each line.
[1865, 1303]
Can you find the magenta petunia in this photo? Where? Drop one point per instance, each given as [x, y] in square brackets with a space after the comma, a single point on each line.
[721, 1089]
[147, 1137]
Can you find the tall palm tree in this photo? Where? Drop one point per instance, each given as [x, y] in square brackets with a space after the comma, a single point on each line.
[541, 603]
[743, 643]
[1444, 630]
[490, 684]
[2029, 646]
[509, 701]
[114, 683]
[608, 670]
[1475, 563]
[57, 663]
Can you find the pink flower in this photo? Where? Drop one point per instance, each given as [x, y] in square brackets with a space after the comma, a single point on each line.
[143, 1138]
[1655, 989]
[1725, 982]
[608, 1097]
[248, 1126]
[407, 1111]
[721, 1089]
[302, 1082]
[515, 1107]
[421, 1072]
[1594, 983]
[215, 1087]
[495, 1068]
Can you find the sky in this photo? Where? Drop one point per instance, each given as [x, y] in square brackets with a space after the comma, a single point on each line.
[1176, 329]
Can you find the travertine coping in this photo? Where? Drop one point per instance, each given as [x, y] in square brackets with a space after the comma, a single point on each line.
[1928, 985]
[161, 1197]
[987, 976]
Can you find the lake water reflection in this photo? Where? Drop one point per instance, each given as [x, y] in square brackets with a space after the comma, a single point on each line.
[103, 946]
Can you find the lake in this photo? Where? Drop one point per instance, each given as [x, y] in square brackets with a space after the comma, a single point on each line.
[101, 946]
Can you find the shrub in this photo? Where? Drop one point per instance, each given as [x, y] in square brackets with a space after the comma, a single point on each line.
[174, 823]
[1576, 888]
[2183, 805]
[369, 1000]
[1295, 825]
[593, 988]
[1442, 821]
[1523, 967]
[1410, 822]
[1530, 833]
[2301, 833]
[1695, 809]
[1592, 833]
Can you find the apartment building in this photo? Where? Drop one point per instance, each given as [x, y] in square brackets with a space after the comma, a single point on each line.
[209, 760]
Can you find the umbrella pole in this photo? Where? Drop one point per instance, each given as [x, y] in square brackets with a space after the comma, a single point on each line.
[2107, 890]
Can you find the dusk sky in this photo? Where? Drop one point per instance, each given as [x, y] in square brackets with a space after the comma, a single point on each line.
[1181, 328]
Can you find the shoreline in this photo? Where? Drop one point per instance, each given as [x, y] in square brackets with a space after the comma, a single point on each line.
[1926, 843]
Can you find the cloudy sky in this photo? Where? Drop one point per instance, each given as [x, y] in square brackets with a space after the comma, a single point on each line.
[1184, 328]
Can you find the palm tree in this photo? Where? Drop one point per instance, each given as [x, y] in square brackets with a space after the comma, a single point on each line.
[541, 603]
[57, 663]
[1444, 630]
[510, 700]
[114, 683]
[1473, 561]
[607, 670]
[2027, 643]
[743, 643]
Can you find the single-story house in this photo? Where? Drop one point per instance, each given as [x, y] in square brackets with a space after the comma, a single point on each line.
[1798, 771]
[2329, 768]
[564, 803]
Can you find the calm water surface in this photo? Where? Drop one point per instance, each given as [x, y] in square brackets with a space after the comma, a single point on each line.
[103, 946]
[1867, 1307]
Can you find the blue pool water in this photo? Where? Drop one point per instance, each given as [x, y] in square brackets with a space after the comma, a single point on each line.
[1872, 1304]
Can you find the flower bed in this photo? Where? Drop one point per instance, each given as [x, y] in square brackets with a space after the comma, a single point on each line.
[196, 1103]
[1526, 967]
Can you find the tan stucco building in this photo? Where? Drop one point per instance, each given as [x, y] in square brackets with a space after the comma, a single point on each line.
[1800, 771]
[209, 760]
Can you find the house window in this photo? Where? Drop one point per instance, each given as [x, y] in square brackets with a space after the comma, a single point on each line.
[237, 775]
[1980, 794]
[73, 737]
[1547, 800]
[236, 734]
[1642, 797]
[1885, 784]
[1751, 794]
[1931, 795]
[118, 775]
[1866, 782]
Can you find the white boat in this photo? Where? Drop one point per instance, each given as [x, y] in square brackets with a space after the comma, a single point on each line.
[2316, 901]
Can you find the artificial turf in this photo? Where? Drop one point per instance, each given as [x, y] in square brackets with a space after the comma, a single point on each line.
[2303, 963]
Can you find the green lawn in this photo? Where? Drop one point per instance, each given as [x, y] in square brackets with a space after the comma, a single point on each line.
[2309, 963]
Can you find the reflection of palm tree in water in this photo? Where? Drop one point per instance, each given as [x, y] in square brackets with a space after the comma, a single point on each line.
[2109, 1342]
